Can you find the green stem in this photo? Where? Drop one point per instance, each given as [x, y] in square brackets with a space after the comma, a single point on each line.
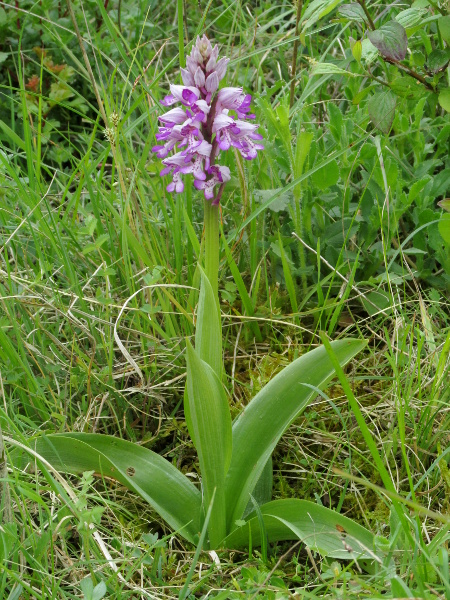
[212, 247]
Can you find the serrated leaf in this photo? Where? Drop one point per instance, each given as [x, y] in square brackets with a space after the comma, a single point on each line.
[407, 87]
[444, 99]
[330, 69]
[390, 39]
[279, 204]
[60, 92]
[444, 28]
[381, 110]
[353, 12]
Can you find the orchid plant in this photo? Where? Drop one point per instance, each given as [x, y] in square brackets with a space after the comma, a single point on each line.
[231, 506]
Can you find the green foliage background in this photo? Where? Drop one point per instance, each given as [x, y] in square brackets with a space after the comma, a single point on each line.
[93, 249]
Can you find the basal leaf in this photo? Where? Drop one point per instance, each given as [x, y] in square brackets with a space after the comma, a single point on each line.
[381, 108]
[258, 428]
[390, 39]
[321, 529]
[209, 417]
[139, 469]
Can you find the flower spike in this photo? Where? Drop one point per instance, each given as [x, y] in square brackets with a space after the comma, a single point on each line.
[208, 122]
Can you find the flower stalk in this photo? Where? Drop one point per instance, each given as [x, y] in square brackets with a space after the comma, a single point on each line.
[211, 217]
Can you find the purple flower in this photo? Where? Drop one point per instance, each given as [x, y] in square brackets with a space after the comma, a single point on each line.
[239, 134]
[187, 95]
[219, 174]
[234, 99]
[204, 127]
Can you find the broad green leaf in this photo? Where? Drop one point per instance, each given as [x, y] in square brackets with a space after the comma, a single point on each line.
[208, 332]
[209, 417]
[445, 204]
[284, 199]
[316, 10]
[353, 11]
[399, 589]
[410, 17]
[444, 99]
[369, 52]
[438, 59]
[258, 428]
[444, 228]
[376, 302]
[444, 28]
[139, 469]
[326, 177]
[357, 51]
[302, 147]
[321, 529]
[407, 87]
[390, 39]
[381, 108]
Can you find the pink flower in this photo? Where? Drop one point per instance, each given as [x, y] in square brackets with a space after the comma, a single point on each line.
[187, 95]
[239, 134]
[203, 127]
[220, 175]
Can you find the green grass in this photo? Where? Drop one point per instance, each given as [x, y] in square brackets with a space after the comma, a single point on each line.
[92, 244]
